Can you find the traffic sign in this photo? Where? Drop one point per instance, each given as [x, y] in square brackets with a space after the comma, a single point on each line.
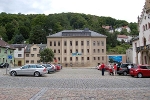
[9, 56]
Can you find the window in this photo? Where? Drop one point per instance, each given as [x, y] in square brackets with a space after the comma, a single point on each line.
[65, 43]
[34, 49]
[27, 55]
[50, 43]
[76, 58]
[70, 58]
[88, 58]
[32, 61]
[54, 43]
[65, 59]
[82, 50]
[98, 43]
[19, 55]
[76, 50]
[65, 51]
[58, 43]
[149, 25]
[143, 28]
[76, 43]
[70, 43]
[135, 45]
[58, 50]
[54, 51]
[93, 50]
[0, 50]
[38, 61]
[102, 50]
[98, 58]
[93, 43]
[87, 50]
[19, 49]
[88, 43]
[146, 26]
[27, 61]
[38, 55]
[32, 55]
[143, 67]
[82, 43]
[94, 58]
[102, 43]
[70, 50]
[98, 50]
[82, 58]
[58, 58]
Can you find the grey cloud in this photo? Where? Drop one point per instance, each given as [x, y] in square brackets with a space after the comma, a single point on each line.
[24, 6]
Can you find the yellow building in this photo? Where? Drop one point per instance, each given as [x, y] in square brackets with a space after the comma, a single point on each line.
[78, 47]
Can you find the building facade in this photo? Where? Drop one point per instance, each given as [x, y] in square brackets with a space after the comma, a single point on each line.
[143, 44]
[32, 53]
[6, 52]
[19, 54]
[129, 55]
[78, 47]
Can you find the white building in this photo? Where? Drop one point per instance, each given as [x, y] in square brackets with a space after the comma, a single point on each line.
[121, 28]
[142, 46]
[122, 37]
[19, 54]
[129, 53]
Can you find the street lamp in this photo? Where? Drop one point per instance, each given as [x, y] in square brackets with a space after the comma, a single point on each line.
[6, 59]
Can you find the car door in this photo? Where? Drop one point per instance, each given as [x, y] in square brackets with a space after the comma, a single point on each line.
[23, 70]
[31, 69]
[144, 70]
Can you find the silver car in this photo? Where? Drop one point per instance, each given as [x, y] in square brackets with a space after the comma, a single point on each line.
[29, 69]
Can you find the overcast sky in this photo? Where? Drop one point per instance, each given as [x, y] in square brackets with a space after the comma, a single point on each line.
[119, 9]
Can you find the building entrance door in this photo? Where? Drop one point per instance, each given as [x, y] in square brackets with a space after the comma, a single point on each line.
[19, 63]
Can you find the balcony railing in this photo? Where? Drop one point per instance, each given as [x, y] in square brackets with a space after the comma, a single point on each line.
[142, 48]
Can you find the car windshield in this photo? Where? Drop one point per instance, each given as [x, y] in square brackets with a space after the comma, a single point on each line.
[148, 67]
[48, 65]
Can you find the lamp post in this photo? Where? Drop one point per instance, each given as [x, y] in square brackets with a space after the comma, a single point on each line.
[6, 59]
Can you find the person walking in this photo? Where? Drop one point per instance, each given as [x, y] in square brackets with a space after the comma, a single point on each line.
[102, 67]
[115, 69]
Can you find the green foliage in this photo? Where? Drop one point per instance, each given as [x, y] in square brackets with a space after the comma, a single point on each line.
[47, 55]
[35, 27]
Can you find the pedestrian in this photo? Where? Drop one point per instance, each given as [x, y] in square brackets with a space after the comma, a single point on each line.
[102, 67]
[115, 69]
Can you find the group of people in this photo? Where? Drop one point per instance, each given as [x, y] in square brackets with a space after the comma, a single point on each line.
[113, 67]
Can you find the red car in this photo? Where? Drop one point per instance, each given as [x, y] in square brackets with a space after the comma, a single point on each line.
[58, 67]
[140, 71]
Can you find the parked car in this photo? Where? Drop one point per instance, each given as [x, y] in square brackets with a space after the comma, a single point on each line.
[58, 67]
[123, 68]
[55, 68]
[140, 71]
[49, 68]
[4, 65]
[29, 69]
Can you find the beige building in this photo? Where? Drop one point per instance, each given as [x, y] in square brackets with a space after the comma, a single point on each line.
[78, 47]
[32, 53]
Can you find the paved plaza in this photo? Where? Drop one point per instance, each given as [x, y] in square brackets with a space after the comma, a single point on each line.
[74, 84]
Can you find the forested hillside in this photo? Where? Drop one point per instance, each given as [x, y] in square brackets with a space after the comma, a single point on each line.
[33, 28]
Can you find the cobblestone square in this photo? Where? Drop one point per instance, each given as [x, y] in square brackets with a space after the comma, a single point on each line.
[74, 84]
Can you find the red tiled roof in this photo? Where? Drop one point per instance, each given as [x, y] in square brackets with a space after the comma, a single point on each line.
[5, 44]
[122, 36]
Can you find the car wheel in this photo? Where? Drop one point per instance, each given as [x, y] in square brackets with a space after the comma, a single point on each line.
[139, 75]
[37, 74]
[13, 73]
[124, 73]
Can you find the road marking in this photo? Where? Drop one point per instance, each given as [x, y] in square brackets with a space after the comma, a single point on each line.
[39, 94]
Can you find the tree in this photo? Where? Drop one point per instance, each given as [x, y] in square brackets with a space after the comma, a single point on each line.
[18, 39]
[47, 55]
[37, 35]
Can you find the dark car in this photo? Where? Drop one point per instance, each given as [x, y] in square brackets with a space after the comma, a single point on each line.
[4, 65]
[123, 68]
[140, 71]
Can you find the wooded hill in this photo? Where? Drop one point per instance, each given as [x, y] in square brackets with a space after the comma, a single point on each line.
[33, 28]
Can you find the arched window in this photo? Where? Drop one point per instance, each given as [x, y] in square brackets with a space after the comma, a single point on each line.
[143, 28]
